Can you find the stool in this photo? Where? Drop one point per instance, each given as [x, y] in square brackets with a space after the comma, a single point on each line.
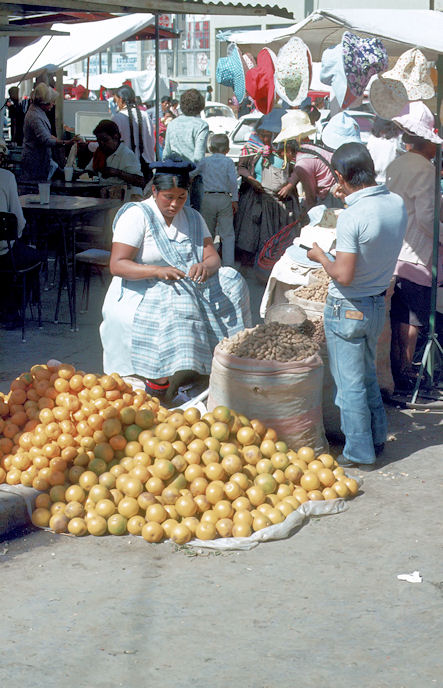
[92, 258]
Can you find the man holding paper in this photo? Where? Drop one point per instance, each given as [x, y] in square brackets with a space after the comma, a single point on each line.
[370, 232]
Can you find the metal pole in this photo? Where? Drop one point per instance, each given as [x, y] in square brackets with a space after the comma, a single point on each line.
[157, 88]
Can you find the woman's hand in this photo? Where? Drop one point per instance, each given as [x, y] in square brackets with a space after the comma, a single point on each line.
[285, 191]
[255, 185]
[198, 272]
[169, 273]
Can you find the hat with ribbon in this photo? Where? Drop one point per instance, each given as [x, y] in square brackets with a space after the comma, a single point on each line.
[231, 72]
[349, 66]
[293, 71]
[271, 122]
[342, 128]
[412, 70]
[418, 120]
[295, 125]
[388, 97]
[260, 81]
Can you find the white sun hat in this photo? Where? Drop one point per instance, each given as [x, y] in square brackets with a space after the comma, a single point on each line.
[418, 120]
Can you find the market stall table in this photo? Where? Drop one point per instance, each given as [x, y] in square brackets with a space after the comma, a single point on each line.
[89, 189]
[65, 214]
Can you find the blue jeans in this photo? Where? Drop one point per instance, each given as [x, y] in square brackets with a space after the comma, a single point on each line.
[352, 328]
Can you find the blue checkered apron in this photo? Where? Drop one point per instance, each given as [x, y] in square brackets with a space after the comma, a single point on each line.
[178, 324]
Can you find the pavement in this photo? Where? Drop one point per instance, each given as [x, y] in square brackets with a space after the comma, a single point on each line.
[324, 607]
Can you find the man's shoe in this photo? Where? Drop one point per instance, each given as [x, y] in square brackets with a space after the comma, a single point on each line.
[379, 448]
[346, 463]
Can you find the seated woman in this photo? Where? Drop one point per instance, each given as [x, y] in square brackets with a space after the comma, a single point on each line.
[114, 161]
[169, 302]
[261, 212]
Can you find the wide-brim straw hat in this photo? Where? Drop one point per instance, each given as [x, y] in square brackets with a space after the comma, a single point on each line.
[388, 97]
[342, 128]
[260, 83]
[418, 120]
[293, 71]
[412, 70]
[230, 72]
[295, 125]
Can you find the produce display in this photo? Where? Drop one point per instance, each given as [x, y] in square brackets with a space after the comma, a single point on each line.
[109, 459]
[317, 291]
[273, 342]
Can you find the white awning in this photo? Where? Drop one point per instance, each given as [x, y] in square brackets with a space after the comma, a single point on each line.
[398, 29]
[84, 39]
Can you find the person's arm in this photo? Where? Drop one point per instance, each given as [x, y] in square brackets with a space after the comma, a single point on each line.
[201, 140]
[122, 264]
[42, 133]
[244, 170]
[127, 177]
[148, 138]
[342, 270]
[199, 272]
[424, 201]
[167, 147]
[309, 185]
[232, 180]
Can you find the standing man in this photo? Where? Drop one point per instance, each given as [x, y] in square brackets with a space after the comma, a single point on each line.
[369, 237]
[17, 112]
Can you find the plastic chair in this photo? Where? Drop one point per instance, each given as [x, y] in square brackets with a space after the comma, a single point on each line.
[91, 258]
[8, 233]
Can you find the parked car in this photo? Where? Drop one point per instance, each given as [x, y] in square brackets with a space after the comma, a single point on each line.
[241, 133]
[220, 118]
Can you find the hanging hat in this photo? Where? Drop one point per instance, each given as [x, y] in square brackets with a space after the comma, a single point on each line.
[388, 97]
[295, 125]
[349, 66]
[293, 71]
[260, 81]
[342, 128]
[231, 72]
[412, 70]
[418, 120]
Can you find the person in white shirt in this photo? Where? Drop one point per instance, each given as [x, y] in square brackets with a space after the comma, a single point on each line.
[384, 145]
[115, 161]
[135, 127]
[220, 197]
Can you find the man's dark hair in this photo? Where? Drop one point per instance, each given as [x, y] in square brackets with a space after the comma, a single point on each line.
[166, 99]
[219, 143]
[107, 126]
[355, 164]
[192, 102]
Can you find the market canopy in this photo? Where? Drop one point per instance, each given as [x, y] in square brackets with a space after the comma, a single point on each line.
[250, 7]
[399, 30]
[84, 39]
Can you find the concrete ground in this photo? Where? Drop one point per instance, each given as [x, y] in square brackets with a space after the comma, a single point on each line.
[322, 608]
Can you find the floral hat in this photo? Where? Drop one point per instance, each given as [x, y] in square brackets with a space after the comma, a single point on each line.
[412, 70]
[293, 71]
[349, 66]
[388, 97]
[295, 125]
[260, 81]
[231, 72]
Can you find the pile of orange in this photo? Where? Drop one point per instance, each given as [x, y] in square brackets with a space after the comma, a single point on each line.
[110, 459]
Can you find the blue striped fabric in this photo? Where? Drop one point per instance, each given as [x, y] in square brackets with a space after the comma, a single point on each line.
[178, 324]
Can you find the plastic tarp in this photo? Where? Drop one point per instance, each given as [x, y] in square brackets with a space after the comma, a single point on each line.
[399, 30]
[85, 39]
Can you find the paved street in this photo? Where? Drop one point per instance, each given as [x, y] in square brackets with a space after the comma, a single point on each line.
[322, 608]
